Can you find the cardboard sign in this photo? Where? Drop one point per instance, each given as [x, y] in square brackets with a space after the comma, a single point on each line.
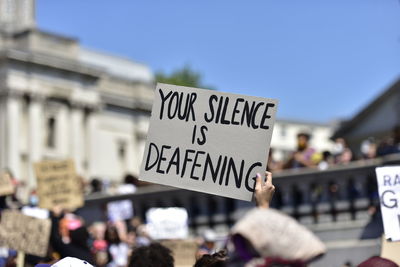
[208, 141]
[167, 223]
[24, 233]
[390, 250]
[389, 194]
[6, 186]
[120, 210]
[183, 251]
[58, 184]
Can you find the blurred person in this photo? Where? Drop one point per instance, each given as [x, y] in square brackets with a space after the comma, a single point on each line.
[131, 240]
[374, 227]
[69, 236]
[96, 186]
[139, 229]
[267, 237]
[326, 161]
[207, 246]
[377, 261]
[129, 185]
[368, 148]
[142, 236]
[338, 147]
[135, 222]
[390, 145]
[117, 249]
[341, 152]
[99, 244]
[387, 147]
[273, 165]
[154, 255]
[302, 157]
[217, 259]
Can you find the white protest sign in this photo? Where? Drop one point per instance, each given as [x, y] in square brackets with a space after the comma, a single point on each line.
[208, 141]
[120, 210]
[389, 194]
[167, 223]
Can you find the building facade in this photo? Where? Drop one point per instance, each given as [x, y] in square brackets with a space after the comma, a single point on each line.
[59, 100]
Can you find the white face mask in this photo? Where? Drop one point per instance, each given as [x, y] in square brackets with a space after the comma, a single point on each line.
[33, 200]
[338, 148]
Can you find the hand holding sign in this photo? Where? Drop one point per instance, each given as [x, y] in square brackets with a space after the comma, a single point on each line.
[264, 190]
[208, 141]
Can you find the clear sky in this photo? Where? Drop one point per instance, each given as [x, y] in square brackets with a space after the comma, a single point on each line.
[322, 59]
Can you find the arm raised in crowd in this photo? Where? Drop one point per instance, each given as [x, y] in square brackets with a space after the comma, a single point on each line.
[264, 190]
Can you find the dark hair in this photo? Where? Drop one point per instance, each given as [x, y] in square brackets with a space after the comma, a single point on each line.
[154, 255]
[131, 179]
[215, 260]
[111, 235]
[79, 237]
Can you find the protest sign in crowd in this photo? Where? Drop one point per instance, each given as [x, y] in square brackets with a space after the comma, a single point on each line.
[204, 141]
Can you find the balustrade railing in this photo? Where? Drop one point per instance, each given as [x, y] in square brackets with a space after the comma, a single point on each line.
[312, 196]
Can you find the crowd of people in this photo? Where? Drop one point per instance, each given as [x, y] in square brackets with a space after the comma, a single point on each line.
[340, 154]
[263, 237]
[254, 240]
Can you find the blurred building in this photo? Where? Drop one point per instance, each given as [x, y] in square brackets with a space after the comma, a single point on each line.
[377, 120]
[284, 137]
[59, 100]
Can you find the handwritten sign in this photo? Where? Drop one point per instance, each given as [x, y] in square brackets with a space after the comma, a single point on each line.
[24, 233]
[389, 194]
[58, 184]
[167, 223]
[6, 186]
[183, 251]
[208, 141]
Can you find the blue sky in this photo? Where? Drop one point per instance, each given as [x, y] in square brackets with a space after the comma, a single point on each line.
[322, 59]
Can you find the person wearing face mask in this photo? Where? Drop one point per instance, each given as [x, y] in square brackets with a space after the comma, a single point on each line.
[341, 152]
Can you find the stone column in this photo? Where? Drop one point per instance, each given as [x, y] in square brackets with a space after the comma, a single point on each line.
[62, 132]
[91, 140]
[36, 125]
[12, 121]
[77, 137]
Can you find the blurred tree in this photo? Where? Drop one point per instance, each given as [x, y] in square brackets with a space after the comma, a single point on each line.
[185, 76]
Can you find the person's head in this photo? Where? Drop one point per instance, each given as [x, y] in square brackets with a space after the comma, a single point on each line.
[273, 239]
[111, 235]
[131, 179]
[79, 237]
[209, 237]
[154, 255]
[96, 185]
[377, 261]
[215, 260]
[302, 140]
